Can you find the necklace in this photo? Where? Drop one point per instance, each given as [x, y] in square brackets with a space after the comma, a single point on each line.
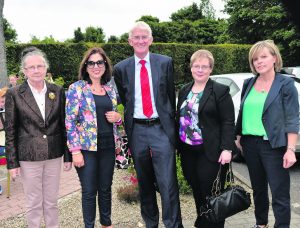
[97, 89]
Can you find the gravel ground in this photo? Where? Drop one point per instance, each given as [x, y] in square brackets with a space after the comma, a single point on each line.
[124, 215]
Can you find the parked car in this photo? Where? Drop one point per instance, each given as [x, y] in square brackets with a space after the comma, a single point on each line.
[295, 71]
[235, 82]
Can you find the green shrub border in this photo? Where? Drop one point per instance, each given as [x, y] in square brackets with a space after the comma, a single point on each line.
[65, 58]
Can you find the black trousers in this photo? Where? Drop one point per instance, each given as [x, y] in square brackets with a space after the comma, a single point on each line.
[96, 179]
[265, 167]
[200, 174]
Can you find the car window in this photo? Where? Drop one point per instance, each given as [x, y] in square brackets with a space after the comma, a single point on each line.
[234, 89]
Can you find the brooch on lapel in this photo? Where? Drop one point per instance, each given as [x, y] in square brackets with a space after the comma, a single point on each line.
[51, 96]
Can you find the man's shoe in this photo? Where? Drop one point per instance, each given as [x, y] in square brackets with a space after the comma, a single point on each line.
[260, 226]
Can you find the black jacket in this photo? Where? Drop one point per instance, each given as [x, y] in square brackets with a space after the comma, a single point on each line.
[216, 117]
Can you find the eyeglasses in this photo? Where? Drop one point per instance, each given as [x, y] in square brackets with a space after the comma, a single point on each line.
[91, 64]
[143, 38]
[32, 68]
[204, 67]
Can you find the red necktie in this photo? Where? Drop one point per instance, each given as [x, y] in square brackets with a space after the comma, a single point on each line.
[145, 87]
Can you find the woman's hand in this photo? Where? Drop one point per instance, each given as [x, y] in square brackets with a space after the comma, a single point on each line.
[225, 157]
[14, 173]
[78, 160]
[112, 116]
[289, 159]
[67, 166]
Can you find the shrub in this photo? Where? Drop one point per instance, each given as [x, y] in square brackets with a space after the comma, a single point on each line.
[128, 193]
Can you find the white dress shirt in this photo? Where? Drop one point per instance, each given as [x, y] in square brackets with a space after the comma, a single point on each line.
[39, 97]
[138, 105]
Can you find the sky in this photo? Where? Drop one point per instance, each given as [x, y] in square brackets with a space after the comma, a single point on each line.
[60, 18]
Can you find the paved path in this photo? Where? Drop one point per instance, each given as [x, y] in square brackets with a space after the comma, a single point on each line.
[69, 183]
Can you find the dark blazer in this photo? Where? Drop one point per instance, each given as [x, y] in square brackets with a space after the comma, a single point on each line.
[216, 117]
[281, 109]
[28, 137]
[163, 88]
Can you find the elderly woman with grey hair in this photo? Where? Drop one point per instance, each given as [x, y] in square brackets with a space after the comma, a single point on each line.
[36, 138]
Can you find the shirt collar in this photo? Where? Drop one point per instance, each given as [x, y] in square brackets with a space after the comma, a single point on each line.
[137, 59]
[35, 90]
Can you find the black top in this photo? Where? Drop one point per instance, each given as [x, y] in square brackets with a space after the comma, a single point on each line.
[103, 105]
[105, 129]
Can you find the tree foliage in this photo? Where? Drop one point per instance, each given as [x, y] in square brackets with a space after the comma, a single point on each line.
[251, 21]
[190, 13]
[91, 34]
[46, 40]
[10, 34]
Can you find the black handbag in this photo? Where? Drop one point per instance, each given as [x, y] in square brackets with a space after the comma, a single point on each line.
[221, 205]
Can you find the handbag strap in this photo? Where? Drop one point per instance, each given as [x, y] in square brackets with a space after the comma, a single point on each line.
[216, 188]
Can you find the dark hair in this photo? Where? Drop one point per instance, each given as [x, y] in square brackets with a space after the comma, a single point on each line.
[83, 74]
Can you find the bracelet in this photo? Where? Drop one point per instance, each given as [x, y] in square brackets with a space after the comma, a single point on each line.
[74, 153]
[291, 148]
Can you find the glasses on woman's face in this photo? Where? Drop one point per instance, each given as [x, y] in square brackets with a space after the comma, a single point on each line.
[203, 67]
[99, 63]
[33, 68]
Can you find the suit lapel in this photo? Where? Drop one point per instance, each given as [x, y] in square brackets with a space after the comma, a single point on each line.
[206, 93]
[130, 71]
[249, 87]
[275, 88]
[49, 102]
[184, 94]
[88, 96]
[155, 75]
[27, 96]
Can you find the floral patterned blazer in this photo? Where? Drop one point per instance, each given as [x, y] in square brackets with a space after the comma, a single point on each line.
[81, 120]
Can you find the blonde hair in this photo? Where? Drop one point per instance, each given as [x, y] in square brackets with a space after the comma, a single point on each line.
[202, 53]
[141, 25]
[273, 49]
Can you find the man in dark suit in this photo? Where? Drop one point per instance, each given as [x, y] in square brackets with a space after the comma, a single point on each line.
[146, 87]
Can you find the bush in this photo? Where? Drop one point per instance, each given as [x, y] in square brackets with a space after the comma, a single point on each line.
[128, 193]
[65, 58]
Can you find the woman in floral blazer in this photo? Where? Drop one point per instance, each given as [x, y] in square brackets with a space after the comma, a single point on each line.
[91, 123]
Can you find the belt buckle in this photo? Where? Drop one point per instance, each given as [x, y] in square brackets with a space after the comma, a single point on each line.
[150, 122]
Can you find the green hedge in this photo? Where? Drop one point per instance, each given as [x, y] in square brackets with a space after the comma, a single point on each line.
[65, 58]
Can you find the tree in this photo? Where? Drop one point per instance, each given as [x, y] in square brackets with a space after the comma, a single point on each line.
[10, 33]
[3, 69]
[190, 13]
[78, 35]
[207, 9]
[112, 39]
[93, 34]
[251, 21]
[47, 40]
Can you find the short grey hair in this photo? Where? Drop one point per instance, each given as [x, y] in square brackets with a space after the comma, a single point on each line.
[141, 25]
[33, 51]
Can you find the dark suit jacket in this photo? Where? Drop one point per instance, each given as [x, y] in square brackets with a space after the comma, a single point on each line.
[281, 110]
[28, 137]
[216, 117]
[163, 88]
